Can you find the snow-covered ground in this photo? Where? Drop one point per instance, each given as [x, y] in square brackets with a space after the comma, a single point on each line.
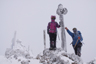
[46, 57]
[19, 54]
[4, 60]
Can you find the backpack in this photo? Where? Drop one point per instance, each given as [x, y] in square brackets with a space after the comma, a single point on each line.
[79, 34]
[52, 28]
[80, 41]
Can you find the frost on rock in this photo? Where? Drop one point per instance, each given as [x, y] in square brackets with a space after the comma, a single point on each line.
[19, 53]
[92, 62]
[73, 57]
[19, 50]
[58, 56]
[25, 62]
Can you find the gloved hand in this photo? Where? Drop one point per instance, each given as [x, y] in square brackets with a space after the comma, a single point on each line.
[47, 31]
[60, 23]
[79, 38]
[66, 28]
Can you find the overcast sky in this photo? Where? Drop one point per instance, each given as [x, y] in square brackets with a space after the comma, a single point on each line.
[30, 17]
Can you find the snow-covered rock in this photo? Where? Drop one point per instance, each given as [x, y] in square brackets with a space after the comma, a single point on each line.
[92, 61]
[18, 54]
[4, 60]
[21, 55]
[19, 50]
[58, 56]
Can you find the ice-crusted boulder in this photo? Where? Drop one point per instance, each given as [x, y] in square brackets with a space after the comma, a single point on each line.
[25, 62]
[92, 61]
[19, 53]
[16, 53]
[58, 56]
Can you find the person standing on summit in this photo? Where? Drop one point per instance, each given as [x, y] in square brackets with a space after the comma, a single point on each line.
[52, 31]
[77, 38]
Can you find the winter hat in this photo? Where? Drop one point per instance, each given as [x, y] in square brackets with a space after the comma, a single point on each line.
[53, 17]
[74, 29]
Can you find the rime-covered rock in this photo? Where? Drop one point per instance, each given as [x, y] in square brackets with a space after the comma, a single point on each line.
[58, 56]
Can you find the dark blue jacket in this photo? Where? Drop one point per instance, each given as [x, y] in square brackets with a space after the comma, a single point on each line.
[75, 37]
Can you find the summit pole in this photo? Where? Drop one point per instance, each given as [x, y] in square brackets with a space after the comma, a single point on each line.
[61, 12]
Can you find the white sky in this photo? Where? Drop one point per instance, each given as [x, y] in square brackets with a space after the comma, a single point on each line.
[30, 17]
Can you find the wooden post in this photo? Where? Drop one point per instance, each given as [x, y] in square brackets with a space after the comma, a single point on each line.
[44, 39]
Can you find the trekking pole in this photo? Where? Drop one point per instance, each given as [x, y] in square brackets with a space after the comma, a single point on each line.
[76, 43]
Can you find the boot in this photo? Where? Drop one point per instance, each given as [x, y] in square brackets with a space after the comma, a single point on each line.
[50, 48]
[54, 45]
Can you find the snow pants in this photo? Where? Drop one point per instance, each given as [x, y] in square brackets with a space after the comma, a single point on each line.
[52, 40]
[77, 49]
